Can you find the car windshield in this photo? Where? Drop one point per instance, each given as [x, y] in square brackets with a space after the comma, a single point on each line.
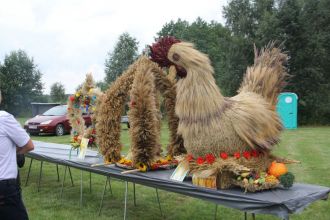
[56, 111]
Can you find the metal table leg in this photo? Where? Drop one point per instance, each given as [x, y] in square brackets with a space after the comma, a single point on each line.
[27, 178]
[110, 185]
[245, 216]
[125, 200]
[160, 208]
[39, 180]
[58, 175]
[63, 181]
[81, 187]
[90, 182]
[134, 194]
[216, 210]
[28, 174]
[71, 176]
[253, 216]
[102, 198]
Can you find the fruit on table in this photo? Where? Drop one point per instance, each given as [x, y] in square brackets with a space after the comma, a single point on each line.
[277, 169]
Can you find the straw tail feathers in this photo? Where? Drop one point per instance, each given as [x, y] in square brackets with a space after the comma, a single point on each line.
[267, 77]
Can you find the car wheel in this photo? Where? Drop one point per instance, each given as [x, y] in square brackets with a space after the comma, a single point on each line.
[59, 130]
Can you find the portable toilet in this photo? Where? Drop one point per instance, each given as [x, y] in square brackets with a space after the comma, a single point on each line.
[287, 108]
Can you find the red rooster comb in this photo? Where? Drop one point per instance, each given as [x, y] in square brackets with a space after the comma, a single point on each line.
[159, 50]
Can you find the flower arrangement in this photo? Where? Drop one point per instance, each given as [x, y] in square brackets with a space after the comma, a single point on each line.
[243, 175]
[160, 163]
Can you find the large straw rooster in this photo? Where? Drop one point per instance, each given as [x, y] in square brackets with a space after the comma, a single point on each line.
[213, 124]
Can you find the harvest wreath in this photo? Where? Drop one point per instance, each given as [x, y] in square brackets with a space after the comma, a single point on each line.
[83, 101]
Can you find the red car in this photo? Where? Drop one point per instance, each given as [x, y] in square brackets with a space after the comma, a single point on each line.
[53, 121]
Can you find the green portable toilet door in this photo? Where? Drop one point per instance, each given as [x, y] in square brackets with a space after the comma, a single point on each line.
[287, 109]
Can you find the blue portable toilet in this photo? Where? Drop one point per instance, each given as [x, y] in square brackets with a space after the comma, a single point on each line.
[287, 108]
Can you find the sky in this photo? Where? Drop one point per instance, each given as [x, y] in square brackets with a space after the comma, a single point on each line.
[69, 38]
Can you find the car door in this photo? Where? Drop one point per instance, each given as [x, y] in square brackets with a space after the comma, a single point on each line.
[87, 118]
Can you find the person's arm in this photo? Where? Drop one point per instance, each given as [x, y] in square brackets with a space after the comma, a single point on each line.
[18, 135]
[26, 148]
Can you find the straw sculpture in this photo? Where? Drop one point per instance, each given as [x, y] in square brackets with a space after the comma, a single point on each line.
[110, 109]
[216, 128]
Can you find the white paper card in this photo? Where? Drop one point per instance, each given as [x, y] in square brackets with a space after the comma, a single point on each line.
[83, 148]
[181, 171]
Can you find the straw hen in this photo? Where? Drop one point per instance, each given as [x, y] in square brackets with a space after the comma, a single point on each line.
[212, 123]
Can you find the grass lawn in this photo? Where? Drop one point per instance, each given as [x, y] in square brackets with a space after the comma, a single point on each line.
[310, 145]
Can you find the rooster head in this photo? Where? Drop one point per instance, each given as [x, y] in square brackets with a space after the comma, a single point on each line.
[159, 53]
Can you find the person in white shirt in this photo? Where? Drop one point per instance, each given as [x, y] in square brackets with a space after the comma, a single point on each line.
[13, 140]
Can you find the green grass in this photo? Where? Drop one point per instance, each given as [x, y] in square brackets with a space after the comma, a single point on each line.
[310, 145]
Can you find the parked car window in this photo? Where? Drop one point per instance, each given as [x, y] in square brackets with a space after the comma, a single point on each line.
[56, 111]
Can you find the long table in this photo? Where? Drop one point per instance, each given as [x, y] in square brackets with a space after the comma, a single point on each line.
[279, 202]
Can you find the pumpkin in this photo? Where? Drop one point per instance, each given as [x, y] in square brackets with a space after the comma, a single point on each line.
[277, 169]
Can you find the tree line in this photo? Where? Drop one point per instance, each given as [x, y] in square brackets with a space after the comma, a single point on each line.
[300, 27]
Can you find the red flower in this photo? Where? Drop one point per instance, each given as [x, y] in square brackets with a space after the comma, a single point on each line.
[237, 155]
[210, 158]
[190, 157]
[247, 155]
[154, 166]
[254, 153]
[72, 98]
[200, 160]
[224, 155]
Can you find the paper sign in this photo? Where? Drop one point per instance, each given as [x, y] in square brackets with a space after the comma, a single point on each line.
[83, 148]
[180, 172]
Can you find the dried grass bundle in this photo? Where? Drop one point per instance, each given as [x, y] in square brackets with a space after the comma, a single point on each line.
[168, 89]
[144, 118]
[110, 110]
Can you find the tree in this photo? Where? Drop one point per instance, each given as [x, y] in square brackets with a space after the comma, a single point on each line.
[124, 54]
[102, 85]
[20, 82]
[57, 92]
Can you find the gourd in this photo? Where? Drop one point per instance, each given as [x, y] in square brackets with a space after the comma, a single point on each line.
[277, 169]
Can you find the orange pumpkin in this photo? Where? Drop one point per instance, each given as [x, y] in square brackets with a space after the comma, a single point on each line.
[277, 169]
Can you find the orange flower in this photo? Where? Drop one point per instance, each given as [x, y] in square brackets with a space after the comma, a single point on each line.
[224, 155]
[200, 160]
[210, 158]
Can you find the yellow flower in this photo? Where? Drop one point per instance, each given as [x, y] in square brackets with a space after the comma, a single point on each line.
[77, 94]
[141, 166]
[168, 157]
[90, 91]
[122, 160]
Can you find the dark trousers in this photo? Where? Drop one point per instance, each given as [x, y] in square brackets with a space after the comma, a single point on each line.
[11, 204]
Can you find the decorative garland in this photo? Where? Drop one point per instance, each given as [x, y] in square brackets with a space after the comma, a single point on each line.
[245, 169]
[84, 100]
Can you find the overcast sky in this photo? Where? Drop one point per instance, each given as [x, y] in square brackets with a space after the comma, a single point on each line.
[68, 38]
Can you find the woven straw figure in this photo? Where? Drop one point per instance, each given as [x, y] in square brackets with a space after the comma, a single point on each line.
[149, 80]
[212, 124]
